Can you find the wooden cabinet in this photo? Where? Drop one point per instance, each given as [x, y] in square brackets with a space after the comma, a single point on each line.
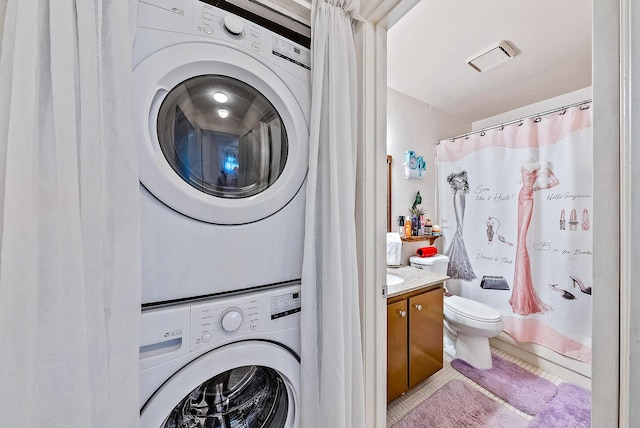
[414, 339]
[397, 349]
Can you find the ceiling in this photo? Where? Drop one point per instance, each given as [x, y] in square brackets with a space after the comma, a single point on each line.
[428, 48]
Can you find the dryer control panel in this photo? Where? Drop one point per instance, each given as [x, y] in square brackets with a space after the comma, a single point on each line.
[196, 17]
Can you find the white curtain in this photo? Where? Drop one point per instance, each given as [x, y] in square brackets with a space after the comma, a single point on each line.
[69, 216]
[332, 369]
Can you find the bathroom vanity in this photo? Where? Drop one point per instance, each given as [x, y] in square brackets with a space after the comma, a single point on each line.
[414, 328]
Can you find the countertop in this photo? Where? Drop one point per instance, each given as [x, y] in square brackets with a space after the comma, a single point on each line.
[414, 279]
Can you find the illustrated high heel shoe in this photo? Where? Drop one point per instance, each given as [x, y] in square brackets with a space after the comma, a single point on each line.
[565, 293]
[586, 290]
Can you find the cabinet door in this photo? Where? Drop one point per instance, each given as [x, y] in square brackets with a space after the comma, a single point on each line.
[425, 335]
[397, 353]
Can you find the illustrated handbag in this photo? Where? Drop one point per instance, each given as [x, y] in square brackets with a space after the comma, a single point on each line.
[494, 283]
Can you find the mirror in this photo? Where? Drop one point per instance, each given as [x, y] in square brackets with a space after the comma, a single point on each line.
[389, 159]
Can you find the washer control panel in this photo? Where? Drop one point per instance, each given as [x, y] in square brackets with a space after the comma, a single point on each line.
[285, 304]
[216, 320]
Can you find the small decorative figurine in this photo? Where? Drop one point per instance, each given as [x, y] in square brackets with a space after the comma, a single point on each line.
[414, 165]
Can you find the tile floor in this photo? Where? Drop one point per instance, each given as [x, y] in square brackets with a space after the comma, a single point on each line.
[402, 405]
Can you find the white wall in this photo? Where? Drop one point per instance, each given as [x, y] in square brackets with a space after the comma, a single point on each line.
[533, 109]
[415, 125]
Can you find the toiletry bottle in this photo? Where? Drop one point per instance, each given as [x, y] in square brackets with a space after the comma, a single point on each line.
[407, 227]
[421, 226]
[401, 226]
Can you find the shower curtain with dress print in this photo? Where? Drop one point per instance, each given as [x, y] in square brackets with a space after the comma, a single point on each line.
[515, 207]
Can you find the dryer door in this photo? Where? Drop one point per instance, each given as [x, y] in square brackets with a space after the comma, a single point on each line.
[221, 138]
[247, 384]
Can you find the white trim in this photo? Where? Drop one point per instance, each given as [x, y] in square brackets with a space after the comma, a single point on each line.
[629, 412]
[606, 335]
[371, 210]
[571, 370]
[385, 13]
[381, 205]
[625, 211]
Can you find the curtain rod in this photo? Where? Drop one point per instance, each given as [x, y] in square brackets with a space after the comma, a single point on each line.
[583, 105]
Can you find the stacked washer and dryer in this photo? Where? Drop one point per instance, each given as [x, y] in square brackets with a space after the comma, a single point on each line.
[221, 110]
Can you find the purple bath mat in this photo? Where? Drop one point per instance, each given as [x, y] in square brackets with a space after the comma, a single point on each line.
[570, 408]
[456, 405]
[517, 386]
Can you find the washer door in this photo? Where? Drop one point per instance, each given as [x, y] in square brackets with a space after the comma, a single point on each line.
[247, 384]
[221, 138]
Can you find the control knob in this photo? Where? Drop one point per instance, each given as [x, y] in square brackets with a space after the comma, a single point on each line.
[231, 319]
[233, 25]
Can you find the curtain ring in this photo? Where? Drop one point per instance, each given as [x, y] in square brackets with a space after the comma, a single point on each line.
[537, 119]
[584, 107]
[482, 134]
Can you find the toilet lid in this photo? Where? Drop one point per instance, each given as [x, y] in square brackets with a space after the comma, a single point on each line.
[472, 309]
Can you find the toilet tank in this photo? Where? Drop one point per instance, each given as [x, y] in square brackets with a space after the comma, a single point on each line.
[437, 263]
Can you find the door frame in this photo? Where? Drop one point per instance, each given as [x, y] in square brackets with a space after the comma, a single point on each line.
[616, 309]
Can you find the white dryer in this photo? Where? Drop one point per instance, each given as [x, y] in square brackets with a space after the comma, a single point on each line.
[224, 362]
[221, 110]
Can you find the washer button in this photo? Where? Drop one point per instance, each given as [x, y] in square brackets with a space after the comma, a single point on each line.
[255, 46]
[206, 337]
[254, 325]
[208, 30]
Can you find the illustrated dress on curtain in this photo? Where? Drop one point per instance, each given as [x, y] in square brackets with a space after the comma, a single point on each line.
[524, 300]
[459, 264]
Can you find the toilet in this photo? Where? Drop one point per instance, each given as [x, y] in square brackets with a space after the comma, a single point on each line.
[468, 324]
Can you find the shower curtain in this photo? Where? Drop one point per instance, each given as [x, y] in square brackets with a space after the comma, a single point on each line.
[515, 205]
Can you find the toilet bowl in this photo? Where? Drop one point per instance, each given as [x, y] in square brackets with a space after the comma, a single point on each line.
[468, 324]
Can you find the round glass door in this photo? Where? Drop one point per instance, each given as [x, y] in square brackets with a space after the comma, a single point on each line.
[222, 136]
[250, 384]
[250, 396]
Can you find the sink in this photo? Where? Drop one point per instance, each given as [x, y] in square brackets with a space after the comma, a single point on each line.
[393, 279]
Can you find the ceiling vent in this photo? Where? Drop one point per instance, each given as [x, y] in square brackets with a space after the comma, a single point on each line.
[489, 58]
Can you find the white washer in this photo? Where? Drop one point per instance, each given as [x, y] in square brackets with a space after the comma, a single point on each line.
[221, 111]
[226, 361]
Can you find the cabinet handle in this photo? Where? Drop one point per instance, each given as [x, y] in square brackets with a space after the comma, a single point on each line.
[418, 307]
[402, 313]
